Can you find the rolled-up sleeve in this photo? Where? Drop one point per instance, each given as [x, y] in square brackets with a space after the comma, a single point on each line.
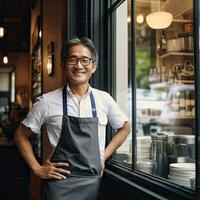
[37, 116]
[115, 115]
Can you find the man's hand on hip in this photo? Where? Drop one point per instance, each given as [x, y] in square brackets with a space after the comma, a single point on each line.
[50, 170]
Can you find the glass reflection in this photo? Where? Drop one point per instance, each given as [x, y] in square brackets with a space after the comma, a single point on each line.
[165, 95]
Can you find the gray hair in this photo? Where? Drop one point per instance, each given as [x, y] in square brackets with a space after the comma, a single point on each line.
[79, 41]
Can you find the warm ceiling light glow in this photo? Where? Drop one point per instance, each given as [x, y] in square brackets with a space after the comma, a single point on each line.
[129, 19]
[5, 59]
[140, 19]
[159, 19]
[1, 32]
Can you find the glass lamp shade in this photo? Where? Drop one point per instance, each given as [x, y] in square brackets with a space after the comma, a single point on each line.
[5, 59]
[1, 32]
[159, 20]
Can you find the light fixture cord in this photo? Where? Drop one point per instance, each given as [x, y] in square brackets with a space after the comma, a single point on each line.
[159, 5]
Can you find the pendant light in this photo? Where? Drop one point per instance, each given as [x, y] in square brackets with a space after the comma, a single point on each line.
[159, 19]
[5, 59]
[2, 16]
[1, 31]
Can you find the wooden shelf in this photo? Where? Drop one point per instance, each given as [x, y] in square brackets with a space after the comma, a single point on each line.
[176, 54]
[182, 21]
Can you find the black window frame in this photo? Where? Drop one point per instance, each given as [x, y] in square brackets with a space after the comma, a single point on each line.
[156, 184]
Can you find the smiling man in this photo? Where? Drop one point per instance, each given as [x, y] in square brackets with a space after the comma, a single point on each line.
[76, 117]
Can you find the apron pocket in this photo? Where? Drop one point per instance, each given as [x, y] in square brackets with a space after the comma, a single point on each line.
[74, 187]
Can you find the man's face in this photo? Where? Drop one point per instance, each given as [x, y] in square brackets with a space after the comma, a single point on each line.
[79, 65]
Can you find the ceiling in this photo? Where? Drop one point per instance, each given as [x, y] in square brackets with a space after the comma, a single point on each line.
[15, 17]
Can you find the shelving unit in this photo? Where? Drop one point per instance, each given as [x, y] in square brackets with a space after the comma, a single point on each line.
[36, 72]
[174, 69]
[36, 80]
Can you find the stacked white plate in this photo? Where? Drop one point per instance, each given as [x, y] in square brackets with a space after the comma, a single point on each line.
[143, 148]
[180, 173]
[145, 166]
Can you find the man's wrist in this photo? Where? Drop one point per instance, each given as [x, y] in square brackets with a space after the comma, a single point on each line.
[35, 168]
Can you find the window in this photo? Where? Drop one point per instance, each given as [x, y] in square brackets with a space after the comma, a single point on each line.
[123, 76]
[163, 77]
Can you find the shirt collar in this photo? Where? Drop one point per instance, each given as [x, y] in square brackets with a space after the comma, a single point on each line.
[71, 94]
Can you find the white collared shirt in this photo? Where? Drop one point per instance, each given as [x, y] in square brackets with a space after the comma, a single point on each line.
[48, 109]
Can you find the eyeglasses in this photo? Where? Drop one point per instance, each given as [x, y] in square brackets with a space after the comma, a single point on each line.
[85, 61]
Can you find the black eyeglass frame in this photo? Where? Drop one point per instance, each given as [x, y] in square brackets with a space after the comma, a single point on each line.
[79, 59]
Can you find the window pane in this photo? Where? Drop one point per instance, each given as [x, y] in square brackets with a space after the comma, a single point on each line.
[123, 77]
[165, 95]
[165, 90]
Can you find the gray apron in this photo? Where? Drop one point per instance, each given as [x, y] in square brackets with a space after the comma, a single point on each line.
[78, 145]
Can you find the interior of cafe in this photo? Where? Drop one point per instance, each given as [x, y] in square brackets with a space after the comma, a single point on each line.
[22, 80]
[14, 93]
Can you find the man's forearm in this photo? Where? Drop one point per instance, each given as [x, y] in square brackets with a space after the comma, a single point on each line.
[24, 146]
[47, 170]
[117, 140]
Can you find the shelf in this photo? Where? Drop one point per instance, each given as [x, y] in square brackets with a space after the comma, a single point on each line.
[36, 76]
[176, 54]
[179, 117]
[167, 85]
[159, 85]
[182, 21]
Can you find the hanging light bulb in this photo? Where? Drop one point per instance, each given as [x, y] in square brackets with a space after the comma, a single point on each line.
[5, 59]
[1, 32]
[140, 19]
[159, 19]
[40, 34]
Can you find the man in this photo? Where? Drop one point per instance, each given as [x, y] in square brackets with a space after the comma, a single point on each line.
[75, 117]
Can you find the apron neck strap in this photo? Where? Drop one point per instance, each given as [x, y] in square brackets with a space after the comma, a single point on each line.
[64, 96]
[94, 112]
